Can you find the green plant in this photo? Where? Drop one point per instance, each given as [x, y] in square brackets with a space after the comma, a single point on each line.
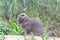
[10, 28]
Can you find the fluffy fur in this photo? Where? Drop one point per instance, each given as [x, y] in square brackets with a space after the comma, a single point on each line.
[31, 25]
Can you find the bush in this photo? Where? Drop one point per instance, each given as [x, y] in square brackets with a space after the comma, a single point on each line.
[10, 28]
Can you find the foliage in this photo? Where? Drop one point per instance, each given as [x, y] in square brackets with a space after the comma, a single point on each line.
[10, 28]
[47, 10]
[1, 37]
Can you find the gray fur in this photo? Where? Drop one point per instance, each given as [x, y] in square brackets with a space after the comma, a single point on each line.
[52, 34]
[31, 25]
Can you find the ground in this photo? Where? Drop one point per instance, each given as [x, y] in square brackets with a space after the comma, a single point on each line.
[16, 37]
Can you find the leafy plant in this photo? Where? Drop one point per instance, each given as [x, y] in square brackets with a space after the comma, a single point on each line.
[10, 28]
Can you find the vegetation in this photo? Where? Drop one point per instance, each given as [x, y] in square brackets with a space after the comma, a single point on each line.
[10, 28]
[47, 10]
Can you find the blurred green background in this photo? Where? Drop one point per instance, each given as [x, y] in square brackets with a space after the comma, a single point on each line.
[47, 10]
